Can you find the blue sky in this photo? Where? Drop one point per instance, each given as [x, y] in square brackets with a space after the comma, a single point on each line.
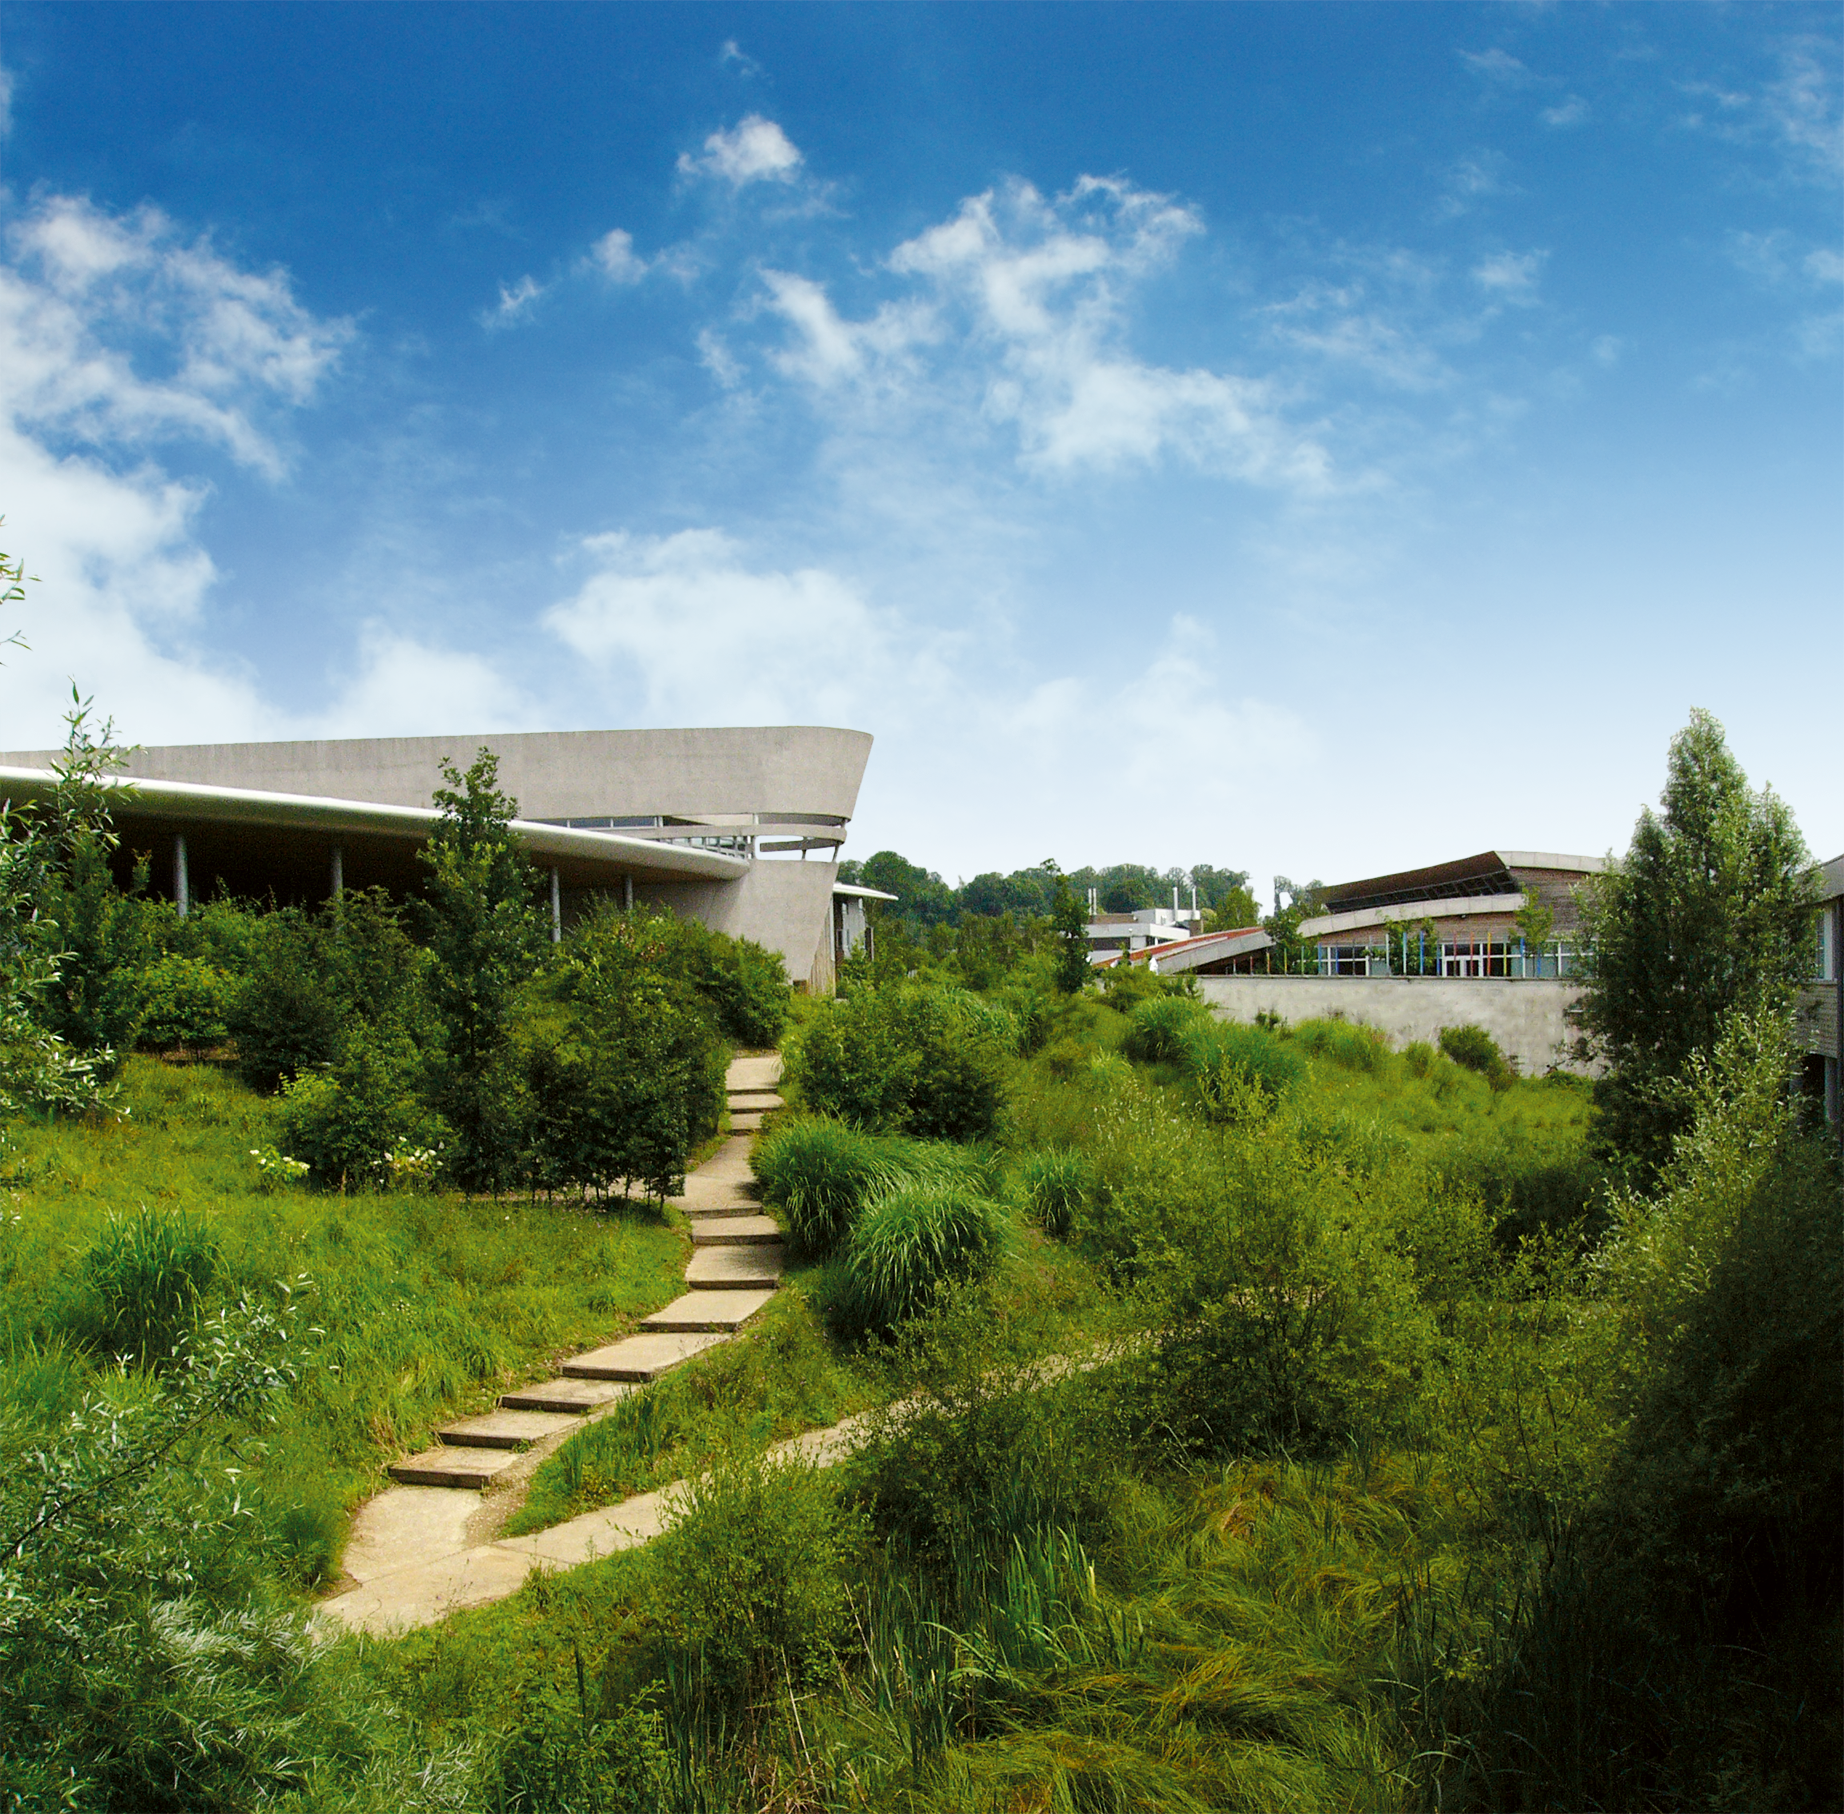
[1306, 438]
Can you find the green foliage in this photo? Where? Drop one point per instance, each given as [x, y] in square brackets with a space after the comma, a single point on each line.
[1475, 1048]
[184, 1001]
[744, 984]
[347, 1122]
[1294, 903]
[486, 937]
[623, 1068]
[1226, 1060]
[1055, 1184]
[559, 1757]
[1354, 1048]
[906, 1058]
[751, 1580]
[1233, 911]
[819, 1172]
[1710, 913]
[141, 1285]
[906, 1246]
[1156, 1027]
[1071, 927]
[281, 1012]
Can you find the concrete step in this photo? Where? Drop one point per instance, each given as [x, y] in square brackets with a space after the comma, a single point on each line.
[754, 1073]
[445, 1466]
[755, 1099]
[643, 1357]
[747, 1121]
[565, 1397]
[707, 1311]
[505, 1429]
[734, 1269]
[745, 1229]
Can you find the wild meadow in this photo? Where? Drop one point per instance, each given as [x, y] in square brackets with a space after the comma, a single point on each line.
[1250, 1417]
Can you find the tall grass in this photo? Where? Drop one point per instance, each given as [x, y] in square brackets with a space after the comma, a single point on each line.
[908, 1244]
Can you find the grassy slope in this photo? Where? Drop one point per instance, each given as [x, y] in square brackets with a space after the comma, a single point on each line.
[429, 1305]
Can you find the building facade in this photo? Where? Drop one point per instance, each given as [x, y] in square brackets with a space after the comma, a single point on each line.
[739, 828]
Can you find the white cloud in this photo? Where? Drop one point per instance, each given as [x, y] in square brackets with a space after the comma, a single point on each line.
[401, 686]
[754, 150]
[1565, 113]
[1825, 266]
[733, 54]
[1470, 181]
[1606, 349]
[6, 101]
[514, 305]
[1511, 276]
[1025, 300]
[704, 637]
[87, 292]
[693, 631]
[616, 258]
[1497, 66]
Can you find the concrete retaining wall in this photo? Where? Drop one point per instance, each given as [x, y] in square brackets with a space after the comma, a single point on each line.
[1525, 1017]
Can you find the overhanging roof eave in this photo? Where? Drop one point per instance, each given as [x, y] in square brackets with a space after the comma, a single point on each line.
[307, 812]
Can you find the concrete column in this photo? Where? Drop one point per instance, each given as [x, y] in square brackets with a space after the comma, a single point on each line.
[556, 907]
[627, 889]
[182, 881]
[339, 871]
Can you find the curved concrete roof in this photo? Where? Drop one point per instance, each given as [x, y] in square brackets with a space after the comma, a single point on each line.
[769, 770]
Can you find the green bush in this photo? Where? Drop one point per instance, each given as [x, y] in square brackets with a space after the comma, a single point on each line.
[1225, 1058]
[752, 1579]
[183, 1003]
[819, 1173]
[141, 1285]
[283, 1012]
[623, 1069]
[1055, 1184]
[907, 1058]
[1157, 1026]
[1351, 1047]
[1475, 1048]
[906, 1245]
[346, 1122]
[744, 983]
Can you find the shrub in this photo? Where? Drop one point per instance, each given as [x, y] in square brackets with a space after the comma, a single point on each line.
[1224, 1059]
[819, 1173]
[1419, 1056]
[1054, 1185]
[752, 1577]
[907, 1058]
[745, 984]
[141, 1284]
[346, 1122]
[1352, 1048]
[183, 1000]
[1475, 1048]
[906, 1245]
[1156, 1028]
[282, 1012]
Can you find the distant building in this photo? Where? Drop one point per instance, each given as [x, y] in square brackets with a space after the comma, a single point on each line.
[1456, 919]
[1819, 1017]
[1114, 934]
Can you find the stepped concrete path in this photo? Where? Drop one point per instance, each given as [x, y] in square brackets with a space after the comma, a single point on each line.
[422, 1549]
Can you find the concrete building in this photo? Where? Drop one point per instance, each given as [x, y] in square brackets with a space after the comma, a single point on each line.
[739, 828]
[1111, 935]
[1819, 1013]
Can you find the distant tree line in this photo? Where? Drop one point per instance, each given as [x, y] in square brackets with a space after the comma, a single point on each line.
[924, 900]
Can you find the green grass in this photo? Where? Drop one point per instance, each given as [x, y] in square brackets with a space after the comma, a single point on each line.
[425, 1305]
[775, 1380]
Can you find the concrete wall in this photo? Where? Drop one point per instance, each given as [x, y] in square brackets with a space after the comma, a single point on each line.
[786, 906]
[1525, 1017]
[552, 774]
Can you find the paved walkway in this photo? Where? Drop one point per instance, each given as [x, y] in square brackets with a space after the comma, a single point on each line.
[425, 1548]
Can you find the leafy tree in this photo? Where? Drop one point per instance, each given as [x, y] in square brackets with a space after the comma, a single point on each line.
[921, 895]
[1294, 903]
[1710, 913]
[1070, 925]
[1232, 910]
[486, 936]
[95, 930]
[623, 1061]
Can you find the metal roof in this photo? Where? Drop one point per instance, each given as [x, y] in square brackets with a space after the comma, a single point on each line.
[1490, 872]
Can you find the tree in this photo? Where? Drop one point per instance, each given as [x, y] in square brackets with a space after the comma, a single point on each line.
[1071, 927]
[1294, 903]
[1710, 914]
[486, 935]
[1233, 909]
